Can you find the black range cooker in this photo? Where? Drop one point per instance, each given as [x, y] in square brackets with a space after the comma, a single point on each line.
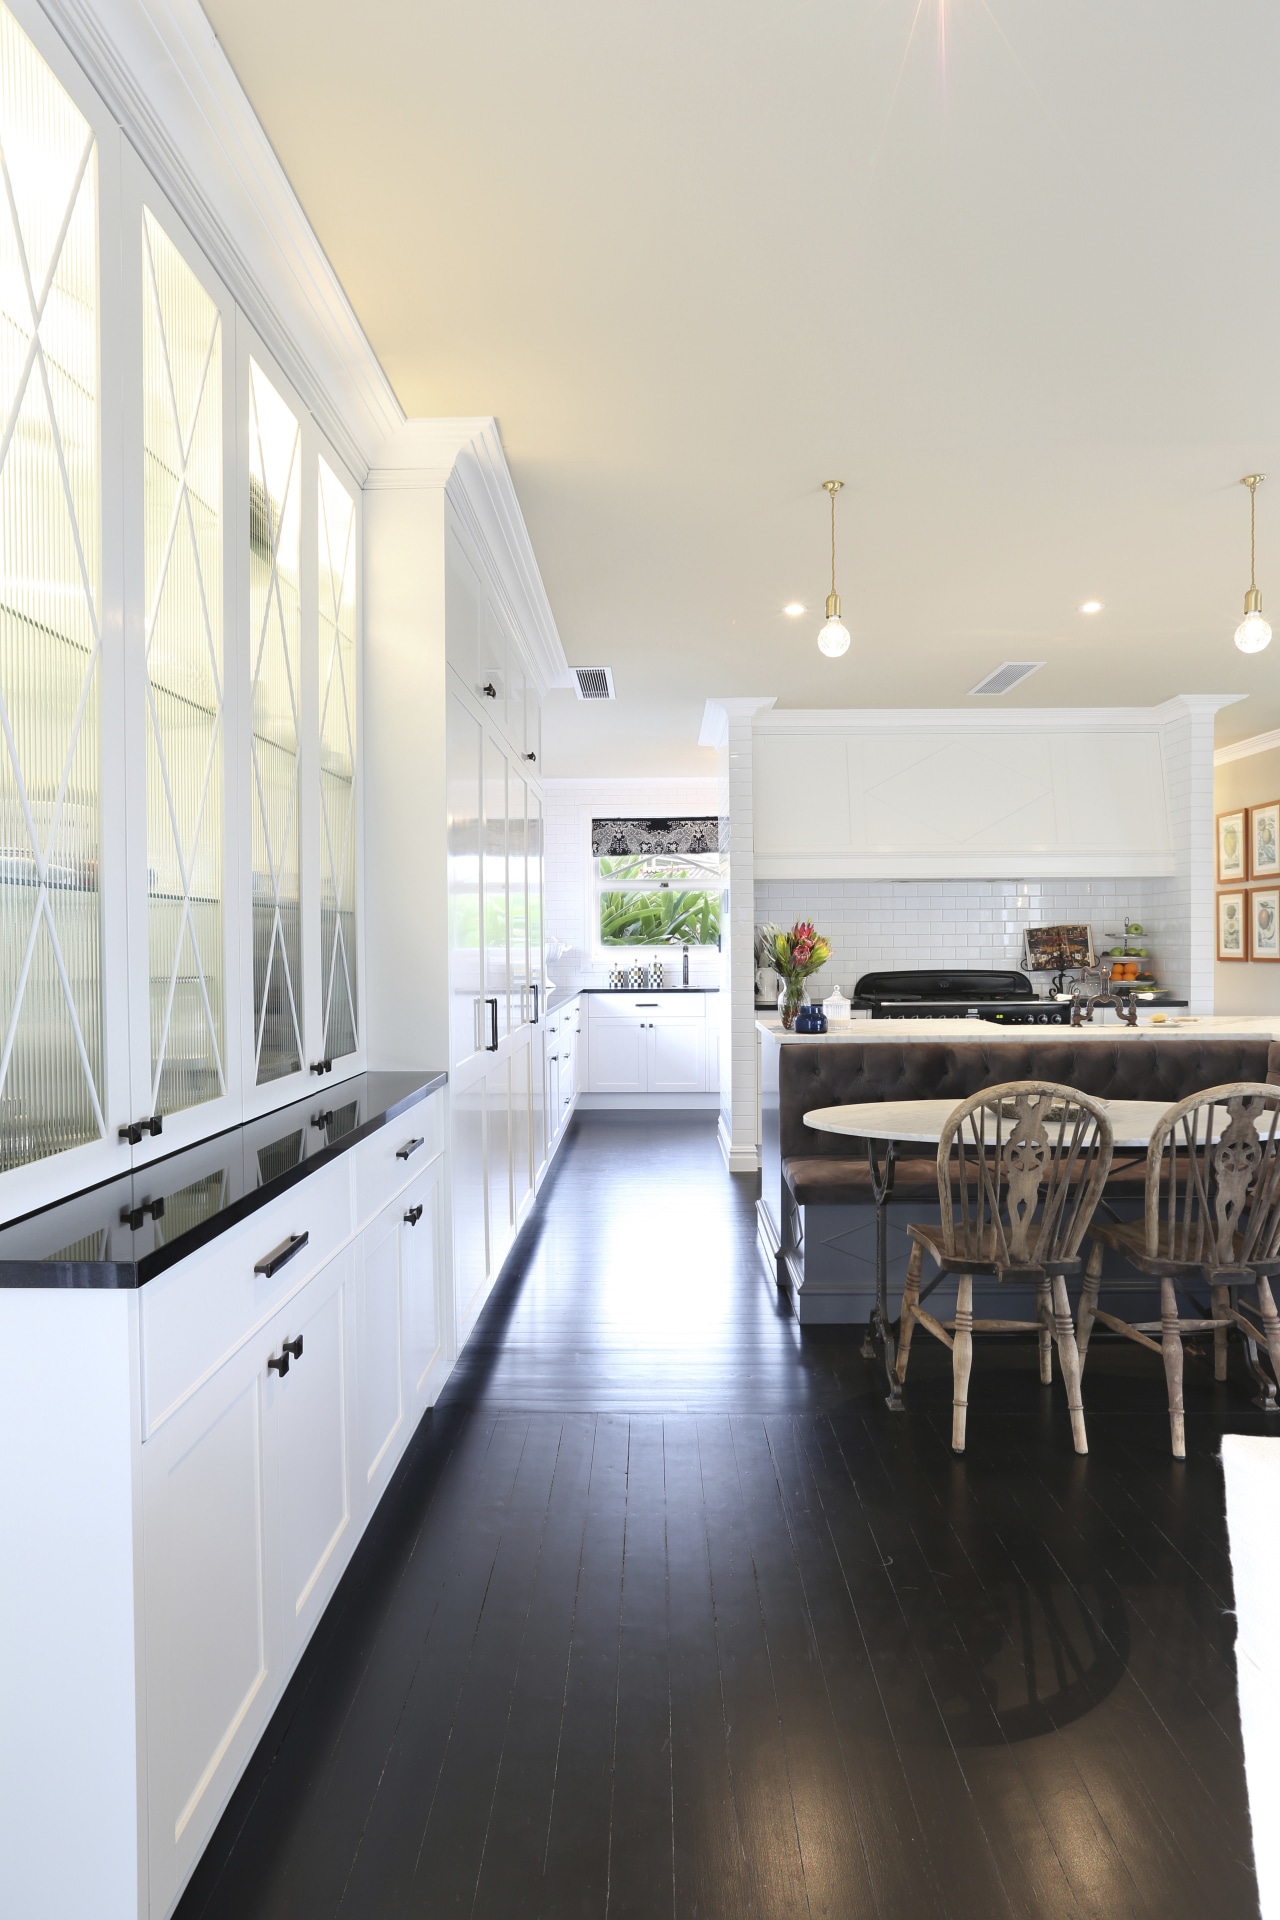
[1006, 999]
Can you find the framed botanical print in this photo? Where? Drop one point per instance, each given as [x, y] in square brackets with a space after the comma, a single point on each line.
[1264, 923]
[1264, 841]
[1233, 846]
[1233, 932]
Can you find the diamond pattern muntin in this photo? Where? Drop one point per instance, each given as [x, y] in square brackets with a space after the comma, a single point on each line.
[51, 1019]
[275, 628]
[182, 441]
[337, 639]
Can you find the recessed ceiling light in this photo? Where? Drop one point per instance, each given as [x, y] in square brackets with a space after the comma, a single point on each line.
[1091, 606]
[795, 608]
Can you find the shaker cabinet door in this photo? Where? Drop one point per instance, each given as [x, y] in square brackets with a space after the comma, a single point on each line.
[499, 1134]
[678, 1056]
[312, 1494]
[212, 1653]
[618, 1055]
[421, 1304]
[464, 737]
[377, 1360]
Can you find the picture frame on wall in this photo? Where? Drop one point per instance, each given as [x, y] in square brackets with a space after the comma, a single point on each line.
[1233, 846]
[1264, 841]
[1233, 925]
[1264, 923]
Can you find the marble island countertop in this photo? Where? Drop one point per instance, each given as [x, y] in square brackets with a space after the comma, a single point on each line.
[1176, 1025]
[125, 1232]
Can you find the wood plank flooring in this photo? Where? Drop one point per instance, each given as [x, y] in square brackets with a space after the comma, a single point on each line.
[667, 1615]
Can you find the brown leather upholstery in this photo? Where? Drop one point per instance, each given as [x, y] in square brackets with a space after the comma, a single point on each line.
[847, 1073]
[845, 1182]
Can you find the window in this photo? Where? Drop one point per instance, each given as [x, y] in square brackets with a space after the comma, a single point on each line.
[337, 635]
[51, 1019]
[662, 899]
[182, 555]
[275, 639]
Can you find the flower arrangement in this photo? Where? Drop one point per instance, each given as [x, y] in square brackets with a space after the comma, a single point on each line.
[796, 955]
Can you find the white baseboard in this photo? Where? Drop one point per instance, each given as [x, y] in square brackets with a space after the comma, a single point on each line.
[649, 1102]
[737, 1159]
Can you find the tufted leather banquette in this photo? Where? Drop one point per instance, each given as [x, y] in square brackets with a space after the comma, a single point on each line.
[824, 1168]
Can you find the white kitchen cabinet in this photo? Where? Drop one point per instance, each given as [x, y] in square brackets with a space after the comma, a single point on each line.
[650, 1043]
[469, 1176]
[311, 1498]
[422, 1304]
[182, 887]
[212, 1640]
[498, 1139]
[378, 1358]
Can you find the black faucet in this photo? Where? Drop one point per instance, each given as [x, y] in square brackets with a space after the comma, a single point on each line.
[686, 966]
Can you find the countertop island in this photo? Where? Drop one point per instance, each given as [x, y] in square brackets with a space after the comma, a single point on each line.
[1107, 1026]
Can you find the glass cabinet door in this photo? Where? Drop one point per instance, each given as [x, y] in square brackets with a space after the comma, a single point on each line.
[497, 971]
[337, 638]
[182, 448]
[275, 663]
[53, 1045]
[517, 899]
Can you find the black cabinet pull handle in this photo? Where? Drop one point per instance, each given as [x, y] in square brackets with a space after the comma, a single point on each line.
[530, 756]
[279, 1256]
[491, 1046]
[536, 989]
[292, 1346]
[489, 691]
[133, 1130]
[413, 1216]
[321, 1119]
[278, 1363]
[409, 1148]
[322, 1066]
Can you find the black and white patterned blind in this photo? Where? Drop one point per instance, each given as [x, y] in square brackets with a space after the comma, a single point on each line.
[655, 836]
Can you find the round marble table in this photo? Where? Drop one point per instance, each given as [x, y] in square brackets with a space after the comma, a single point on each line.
[883, 1124]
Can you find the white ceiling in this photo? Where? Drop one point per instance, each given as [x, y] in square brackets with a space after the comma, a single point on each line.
[1009, 268]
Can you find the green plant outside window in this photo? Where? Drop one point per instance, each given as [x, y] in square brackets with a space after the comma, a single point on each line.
[647, 900]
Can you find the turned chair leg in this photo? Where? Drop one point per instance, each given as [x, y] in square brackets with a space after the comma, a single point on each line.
[1069, 1355]
[1221, 1298]
[1088, 1301]
[1044, 1316]
[1270, 1322]
[961, 1361]
[910, 1299]
[1171, 1345]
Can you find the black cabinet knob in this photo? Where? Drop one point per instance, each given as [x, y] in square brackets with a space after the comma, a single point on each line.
[413, 1216]
[278, 1363]
[292, 1346]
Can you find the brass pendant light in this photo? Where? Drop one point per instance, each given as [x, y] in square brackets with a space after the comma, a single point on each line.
[1253, 633]
[834, 636]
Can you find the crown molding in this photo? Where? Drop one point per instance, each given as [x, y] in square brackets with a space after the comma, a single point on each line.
[718, 715]
[464, 458]
[1245, 749]
[991, 720]
[166, 81]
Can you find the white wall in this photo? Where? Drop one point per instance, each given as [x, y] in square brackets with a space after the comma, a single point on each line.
[570, 807]
[874, 924]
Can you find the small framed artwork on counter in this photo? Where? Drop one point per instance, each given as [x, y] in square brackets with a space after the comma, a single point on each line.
[1264, 923]
[1232, 926]
[1233, 846]
[1264, 841]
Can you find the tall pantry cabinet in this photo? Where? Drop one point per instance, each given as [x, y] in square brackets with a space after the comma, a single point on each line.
[496, 980]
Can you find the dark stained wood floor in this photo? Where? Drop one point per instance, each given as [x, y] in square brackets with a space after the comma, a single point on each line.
[667, 1615]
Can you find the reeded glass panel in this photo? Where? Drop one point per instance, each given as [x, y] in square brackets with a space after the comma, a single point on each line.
[337, 764]
[182, 556]
[275, 479]
[51, 1042]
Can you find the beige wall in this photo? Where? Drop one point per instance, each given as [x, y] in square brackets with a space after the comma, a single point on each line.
[1247, 987]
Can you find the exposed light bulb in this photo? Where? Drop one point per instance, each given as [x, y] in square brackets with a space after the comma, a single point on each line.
[1253, 633]
[834, 637]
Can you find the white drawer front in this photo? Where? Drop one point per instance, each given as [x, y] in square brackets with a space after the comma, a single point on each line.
[658, 1007]
[200, 1311]
[395, 1155]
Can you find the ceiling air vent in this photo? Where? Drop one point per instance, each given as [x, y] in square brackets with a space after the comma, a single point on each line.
[594, 683]
[1009, 674]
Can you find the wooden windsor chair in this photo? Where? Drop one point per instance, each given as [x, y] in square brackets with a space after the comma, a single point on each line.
[1027, 1162]
[1211, 1219]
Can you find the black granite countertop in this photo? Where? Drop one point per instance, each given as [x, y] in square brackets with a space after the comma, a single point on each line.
[122, 1234]
[676, 989]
